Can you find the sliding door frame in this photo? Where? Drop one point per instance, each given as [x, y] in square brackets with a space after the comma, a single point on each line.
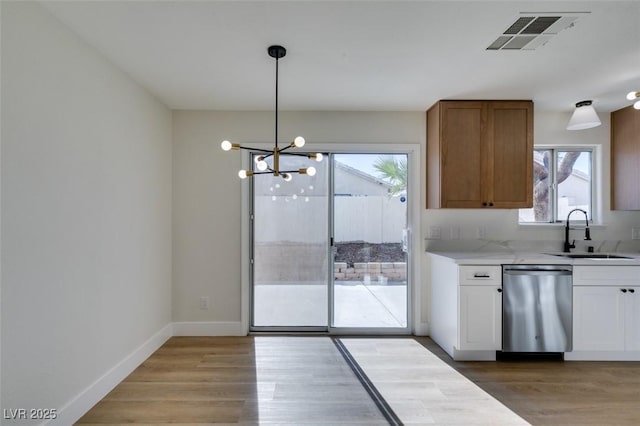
[414, 291]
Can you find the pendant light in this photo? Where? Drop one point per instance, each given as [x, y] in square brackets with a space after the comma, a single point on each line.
[632, 96]
[261, 165]
[584, 117]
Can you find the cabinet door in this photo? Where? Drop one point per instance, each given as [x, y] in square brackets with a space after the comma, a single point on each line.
[509, 180]
[625, 159]
[632, 319]
[480, 317]
[598, 318]
[462, 151]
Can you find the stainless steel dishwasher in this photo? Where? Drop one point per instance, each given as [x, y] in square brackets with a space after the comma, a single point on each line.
[537, 308]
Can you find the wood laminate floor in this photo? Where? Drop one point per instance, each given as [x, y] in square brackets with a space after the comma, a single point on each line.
[240, 380]
[304, 380]
[422, 389]
[556, 393]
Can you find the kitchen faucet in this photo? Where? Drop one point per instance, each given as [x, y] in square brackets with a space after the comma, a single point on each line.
[587, 235]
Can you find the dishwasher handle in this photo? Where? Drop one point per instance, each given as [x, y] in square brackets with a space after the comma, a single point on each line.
[534, 271]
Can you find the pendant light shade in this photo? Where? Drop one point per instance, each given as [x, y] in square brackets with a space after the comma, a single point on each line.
[584, 117]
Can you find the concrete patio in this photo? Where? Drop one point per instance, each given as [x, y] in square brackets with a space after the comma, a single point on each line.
[357, 304]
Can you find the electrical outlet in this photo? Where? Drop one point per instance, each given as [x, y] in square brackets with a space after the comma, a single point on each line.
[635, 233]
[204, 302]
[435, 233]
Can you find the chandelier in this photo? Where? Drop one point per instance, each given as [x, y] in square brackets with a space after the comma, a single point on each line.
[261, 164]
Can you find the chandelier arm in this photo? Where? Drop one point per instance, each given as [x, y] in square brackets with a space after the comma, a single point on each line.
[286, 148]
[290, 171]
[297, 154]
[268, 151]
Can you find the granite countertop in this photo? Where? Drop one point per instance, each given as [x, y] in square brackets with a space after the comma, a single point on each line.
[532, 258]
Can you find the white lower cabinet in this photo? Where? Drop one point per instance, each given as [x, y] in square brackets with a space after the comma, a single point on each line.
[466, 309]
[598, 319]
[606, 312]
[632, 319]
[480, 317]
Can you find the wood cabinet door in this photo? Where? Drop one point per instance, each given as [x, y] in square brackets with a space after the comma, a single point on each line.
[632, 319]
[598, 318]
[462, 127]
[625, 159]
[480, 317]
[509, 178]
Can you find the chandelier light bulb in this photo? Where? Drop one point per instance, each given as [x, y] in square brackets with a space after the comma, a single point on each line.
[311, 171]
[242, 174]
[299, 142]
[261, 165]
[317, 156]
[226, 145]
[632, 95]
[637, 105]
[287, 177]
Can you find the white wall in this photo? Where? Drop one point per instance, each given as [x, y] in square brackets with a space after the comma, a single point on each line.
[86, 213]
[207, 191]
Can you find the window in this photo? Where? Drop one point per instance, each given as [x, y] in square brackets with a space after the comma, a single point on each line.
[562, 181]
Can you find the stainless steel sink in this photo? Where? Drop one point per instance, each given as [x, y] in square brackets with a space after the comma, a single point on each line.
[590, 256]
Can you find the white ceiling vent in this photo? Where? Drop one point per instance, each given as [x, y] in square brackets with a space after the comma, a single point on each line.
[532, 30]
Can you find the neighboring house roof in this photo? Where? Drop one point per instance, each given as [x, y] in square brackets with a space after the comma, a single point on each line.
[374, 181]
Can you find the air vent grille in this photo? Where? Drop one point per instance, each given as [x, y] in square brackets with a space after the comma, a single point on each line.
[533, 30]
[517, 43]
[500, 41]
[519, 25]
[539, 25]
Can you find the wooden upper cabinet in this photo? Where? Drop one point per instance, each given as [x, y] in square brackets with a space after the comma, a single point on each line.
[625, 159]
[480, 154]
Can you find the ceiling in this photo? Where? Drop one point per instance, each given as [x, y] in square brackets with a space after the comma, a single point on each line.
[360, 55]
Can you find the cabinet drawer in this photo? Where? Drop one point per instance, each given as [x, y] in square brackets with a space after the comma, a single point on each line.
[480, 275]
[606, 275]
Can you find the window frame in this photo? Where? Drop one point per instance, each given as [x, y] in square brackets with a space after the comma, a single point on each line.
[594, 207]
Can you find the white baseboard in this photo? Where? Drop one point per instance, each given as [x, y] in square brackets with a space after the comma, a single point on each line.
[474, 355]
[82, 403]
[195, 328]
[602, 356]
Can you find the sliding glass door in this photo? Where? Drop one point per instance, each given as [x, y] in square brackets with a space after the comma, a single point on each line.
[370, 241]
[290, 248]
[329, 252]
